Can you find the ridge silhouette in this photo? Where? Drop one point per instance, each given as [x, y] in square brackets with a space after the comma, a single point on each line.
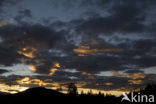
[40, 91]
[43, 96]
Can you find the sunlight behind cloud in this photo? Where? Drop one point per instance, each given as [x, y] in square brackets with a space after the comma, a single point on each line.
[84, 50]
[12, 88]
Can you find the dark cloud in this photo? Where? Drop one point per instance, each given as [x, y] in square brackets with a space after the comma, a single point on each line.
[80, 3]
[29, 35]
[124, 18]
[23, 14]
[93, 64]
[2, 71]
[1, 2]
[4, 2]
[30, 42]
[8, 56]
[133, 71]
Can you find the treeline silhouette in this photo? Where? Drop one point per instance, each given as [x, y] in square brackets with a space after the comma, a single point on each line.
[46, 96]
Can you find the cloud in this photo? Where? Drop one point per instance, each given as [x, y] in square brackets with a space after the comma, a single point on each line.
[80, 3]
[6, 22]
[8, 56]
[23, 14]
[119, 35]
[4, 2]
[29, 44]
[2, 71]
[125, 18]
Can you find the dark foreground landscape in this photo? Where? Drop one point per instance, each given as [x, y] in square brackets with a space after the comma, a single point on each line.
[47, 96]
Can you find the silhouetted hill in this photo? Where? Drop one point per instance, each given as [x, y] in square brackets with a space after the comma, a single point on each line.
[44, 96]
[39, 91]
[3, 93]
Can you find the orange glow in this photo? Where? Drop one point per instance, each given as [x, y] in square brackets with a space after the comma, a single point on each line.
[55, 68]
[57, 65]
[86, 50]
[108, 84]
[54, 85]
[32, 67]
[135, 81]
[133, 76]
[81, 84]
[27, 52]
[25, 80]
[12, 89]
[95, 91]
[86, 74]
[6, 22]
[138, 76]
[39, 82]
[52, 71]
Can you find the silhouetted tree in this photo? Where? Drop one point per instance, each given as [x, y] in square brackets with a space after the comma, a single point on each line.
[82, 93]
[72, 89]
[89, 92]
[100, 93]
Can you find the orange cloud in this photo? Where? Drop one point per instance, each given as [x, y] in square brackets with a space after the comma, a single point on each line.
[32, 67]
[108, 84]
[54, 69]
[27, 52]
[27, 80]
[90, 76]
[86, 74]
[135, 81]
[12, 88]
[57, 65]
[133, 76]
[6, 22]
[86, 50]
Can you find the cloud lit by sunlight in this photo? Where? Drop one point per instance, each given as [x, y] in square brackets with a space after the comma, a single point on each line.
[84, 50]
[135, 81]
[108, 84]
[6, 22]
[32, 67]
[55, 68]
[12, 88]
[27, 52]
[132, 76]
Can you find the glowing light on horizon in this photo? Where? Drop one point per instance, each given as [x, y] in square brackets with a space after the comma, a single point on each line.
[12, 88]
[54, 85]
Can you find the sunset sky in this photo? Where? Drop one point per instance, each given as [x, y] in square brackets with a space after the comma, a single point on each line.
[106, 45]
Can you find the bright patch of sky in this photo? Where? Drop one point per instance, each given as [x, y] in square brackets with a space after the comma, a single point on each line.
[18, 69]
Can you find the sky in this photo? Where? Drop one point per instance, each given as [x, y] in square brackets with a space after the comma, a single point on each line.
[103, 45]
